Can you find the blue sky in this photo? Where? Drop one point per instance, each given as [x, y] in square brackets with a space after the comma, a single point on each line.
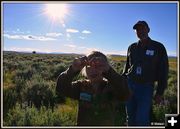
[84, 27]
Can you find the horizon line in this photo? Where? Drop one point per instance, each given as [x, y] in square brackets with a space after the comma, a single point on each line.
[39, 52]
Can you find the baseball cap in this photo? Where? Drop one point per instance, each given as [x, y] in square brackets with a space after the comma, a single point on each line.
[144, 23]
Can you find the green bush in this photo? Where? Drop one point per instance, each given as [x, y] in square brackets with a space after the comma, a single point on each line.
[56, 70]
[159, 112]
[9, 99]
[40, 92]
[31, 116]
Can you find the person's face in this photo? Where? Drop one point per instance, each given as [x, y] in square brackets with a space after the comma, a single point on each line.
[93, 69]
[142, 32]
[93, 74]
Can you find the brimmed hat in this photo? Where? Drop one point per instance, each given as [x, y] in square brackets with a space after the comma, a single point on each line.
[144, 23]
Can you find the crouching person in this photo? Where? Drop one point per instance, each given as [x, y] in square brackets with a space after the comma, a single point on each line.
[98, 93]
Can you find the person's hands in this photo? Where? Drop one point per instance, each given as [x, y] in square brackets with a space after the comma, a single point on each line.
[79, 63]
[158, 99]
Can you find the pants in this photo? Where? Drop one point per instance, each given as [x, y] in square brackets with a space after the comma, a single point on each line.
[139, 105]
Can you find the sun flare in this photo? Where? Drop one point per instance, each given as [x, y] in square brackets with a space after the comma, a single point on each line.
[56, 11]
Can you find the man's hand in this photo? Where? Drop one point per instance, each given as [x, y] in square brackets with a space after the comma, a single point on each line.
[79, 63]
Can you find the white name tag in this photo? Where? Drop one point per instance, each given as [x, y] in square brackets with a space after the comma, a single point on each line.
[150, 52]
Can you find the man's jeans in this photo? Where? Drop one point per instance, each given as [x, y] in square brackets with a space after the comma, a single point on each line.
[139, 105]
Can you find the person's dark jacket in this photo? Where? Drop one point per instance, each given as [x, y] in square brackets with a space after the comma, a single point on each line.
[153, 60]
[95, 108]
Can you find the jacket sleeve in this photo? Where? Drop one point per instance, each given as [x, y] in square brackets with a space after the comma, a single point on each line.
[119, 85]
[163, 71]
[65, 86]
[126, 66]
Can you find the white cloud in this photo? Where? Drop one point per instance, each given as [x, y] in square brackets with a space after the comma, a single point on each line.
[116, 52]
[13, 36]
[81, 37]
[70, 45]
[72, 30]
[63, 24]
[68, 35]
[41, 38]
[86, 32]
[82, 47]
[71, 48]
[89, 50]
[54, 34]
[17, 31]
[79, 49]
[28, 37]
[172, 53]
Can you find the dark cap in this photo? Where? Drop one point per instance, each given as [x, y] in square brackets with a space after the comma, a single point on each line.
[144, 23]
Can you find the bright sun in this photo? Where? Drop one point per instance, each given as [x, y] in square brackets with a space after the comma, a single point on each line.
[56, 11]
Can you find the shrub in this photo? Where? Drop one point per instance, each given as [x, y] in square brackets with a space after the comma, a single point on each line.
[31, 116]
[40, 92]
[9, 99]
[56, 70]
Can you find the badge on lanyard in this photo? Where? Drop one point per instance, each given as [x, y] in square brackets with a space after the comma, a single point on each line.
[85, 96]
[138, 70]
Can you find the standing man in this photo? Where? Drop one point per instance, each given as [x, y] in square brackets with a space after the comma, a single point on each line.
[147, 62]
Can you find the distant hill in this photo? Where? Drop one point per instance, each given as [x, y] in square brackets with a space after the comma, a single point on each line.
[56, 53]
[172, 56]
[115, 55]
